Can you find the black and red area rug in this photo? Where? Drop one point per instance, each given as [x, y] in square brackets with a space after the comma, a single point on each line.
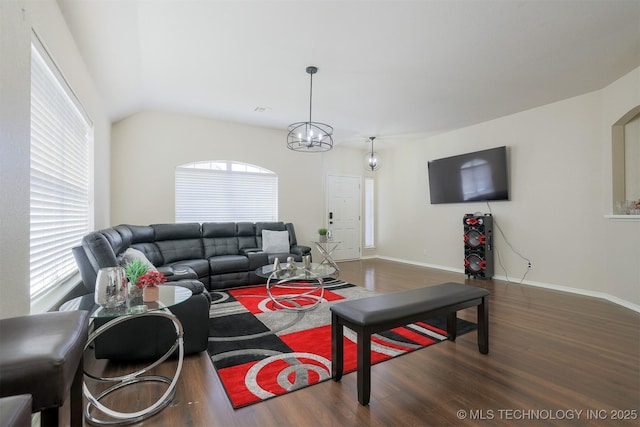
[262, 351]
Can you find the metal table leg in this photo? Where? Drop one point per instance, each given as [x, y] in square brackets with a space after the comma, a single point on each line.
[121, 418]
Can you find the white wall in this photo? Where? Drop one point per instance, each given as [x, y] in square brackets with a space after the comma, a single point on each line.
[621, 237]
[632, 159]
[17, 18]
[560, 161]
[560, 183]
[147, 147]
[559, 198]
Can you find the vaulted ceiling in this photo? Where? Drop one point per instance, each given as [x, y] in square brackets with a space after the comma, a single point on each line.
[386, 68]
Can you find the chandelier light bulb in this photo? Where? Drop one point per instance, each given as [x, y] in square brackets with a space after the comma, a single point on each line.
[373, 161]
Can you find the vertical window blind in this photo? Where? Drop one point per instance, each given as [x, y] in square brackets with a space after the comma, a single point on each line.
[61, 136]
[225, 191]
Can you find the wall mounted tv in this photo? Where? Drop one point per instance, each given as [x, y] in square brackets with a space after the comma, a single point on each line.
[472, 177]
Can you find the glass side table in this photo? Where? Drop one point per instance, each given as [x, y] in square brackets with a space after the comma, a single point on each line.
[326, 249]
[169, 295]
[298, 289]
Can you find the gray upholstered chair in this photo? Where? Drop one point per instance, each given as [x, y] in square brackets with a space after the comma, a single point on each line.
[42, 355]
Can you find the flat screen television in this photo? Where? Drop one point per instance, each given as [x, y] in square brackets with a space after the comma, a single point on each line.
[471, 177]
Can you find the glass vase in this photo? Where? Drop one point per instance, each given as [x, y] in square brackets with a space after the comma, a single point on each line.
[111, 287]
[135, 296]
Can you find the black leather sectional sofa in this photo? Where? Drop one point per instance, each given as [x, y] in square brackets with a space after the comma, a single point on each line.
[221, 255]
[201, 257]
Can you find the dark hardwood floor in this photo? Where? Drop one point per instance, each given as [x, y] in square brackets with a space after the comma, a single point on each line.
[555, 359]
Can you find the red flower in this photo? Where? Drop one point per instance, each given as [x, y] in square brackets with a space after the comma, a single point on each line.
[152, 278]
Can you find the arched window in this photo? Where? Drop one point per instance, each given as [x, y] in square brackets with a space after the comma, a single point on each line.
[223, 190]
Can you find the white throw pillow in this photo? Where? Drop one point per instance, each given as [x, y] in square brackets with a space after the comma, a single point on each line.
[275, 241]
[130, 254]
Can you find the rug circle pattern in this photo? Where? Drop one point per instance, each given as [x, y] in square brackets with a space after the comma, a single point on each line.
[261, 351]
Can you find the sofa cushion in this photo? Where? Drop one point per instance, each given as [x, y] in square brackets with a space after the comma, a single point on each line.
[275, 241]
[150, 251]
[246, 232]
[178, 250]
[228, 264]
[275, 226]
[126, 235]
[115, 240]
[131, 253]
[141, 233]
[231, 280]
[98, 250]
[179, 241]
[293, 241]
[219, 238]
[179, 231]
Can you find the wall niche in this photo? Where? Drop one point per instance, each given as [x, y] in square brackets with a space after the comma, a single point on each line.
[625, 137]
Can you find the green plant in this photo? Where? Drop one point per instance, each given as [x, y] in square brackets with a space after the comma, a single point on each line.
[322, 231]
[134, 269]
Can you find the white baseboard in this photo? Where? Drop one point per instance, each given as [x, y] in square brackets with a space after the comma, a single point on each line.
[600, 295]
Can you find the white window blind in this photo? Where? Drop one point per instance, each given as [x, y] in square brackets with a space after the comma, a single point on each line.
[61, 135]
[369, 241]
[225, 191]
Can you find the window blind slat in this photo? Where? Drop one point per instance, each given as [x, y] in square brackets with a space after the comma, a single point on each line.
[210, 195]
[61, 135]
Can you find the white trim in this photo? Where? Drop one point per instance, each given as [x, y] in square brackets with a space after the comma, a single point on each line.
[584, 292]
[623, 217]
[53, 296]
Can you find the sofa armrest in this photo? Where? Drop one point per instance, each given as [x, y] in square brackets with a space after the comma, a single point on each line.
[300, 250]
[180, 273]
[195, 286]
[247, 251]
[257, 259]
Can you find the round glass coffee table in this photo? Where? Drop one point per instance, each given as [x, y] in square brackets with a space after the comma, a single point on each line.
[169, 295]
[296, 287]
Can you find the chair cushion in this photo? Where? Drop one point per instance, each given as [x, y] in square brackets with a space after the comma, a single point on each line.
[39, 355]
[384, 308]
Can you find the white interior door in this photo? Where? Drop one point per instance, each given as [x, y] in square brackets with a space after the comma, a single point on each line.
[343, 215]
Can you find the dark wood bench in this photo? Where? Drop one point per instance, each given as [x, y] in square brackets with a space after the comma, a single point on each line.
[368, 316]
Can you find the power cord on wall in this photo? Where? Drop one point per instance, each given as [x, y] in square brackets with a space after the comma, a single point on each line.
[529, 264]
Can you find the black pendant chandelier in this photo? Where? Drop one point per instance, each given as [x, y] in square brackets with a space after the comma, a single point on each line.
[310, 136]
[372, 159]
